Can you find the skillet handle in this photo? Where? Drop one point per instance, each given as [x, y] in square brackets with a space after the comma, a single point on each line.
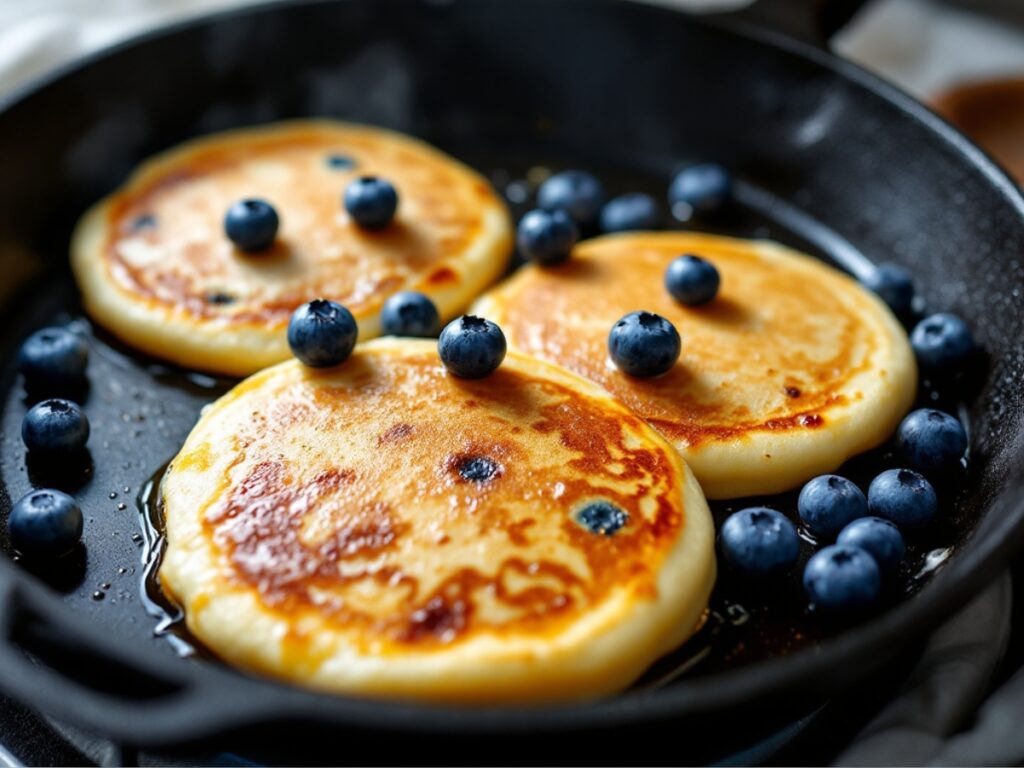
[810, 21]
[78, 674]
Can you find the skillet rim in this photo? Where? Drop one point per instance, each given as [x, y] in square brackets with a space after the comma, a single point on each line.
[979, 561]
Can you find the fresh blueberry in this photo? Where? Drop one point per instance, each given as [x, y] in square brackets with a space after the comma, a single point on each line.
[634, 210]
[692, 280]
[931, 441]
[53, 359]
[602, 517]
[576, 192]
[471, 347]
[759, 540]
[644, 344]
[251, 225]
[55, 427]
[699, 189]
[942, 343]
[322, 333]
[45, 523]
[842, 578]
[894, 286]
[829, 502]
[546, 237]
[408, 313]
[878, 537]
[371, 202]
[902, 496]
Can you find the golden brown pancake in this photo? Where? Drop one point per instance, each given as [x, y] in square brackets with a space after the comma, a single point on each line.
[383, 528]
[791, 370]
[156, 268]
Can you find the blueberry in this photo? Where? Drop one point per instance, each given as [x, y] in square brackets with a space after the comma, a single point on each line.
[931, 441]
[339, 162]
[143, 222]
[477, 469]
[699, 189]
[829, 502]
[546, 237]
[322, 333]
[251, 224]
[55, 427]
[45, 523]
[942, 343]
[602, 517]
[692, 280]
[576, 192]
[759, 540]
[878, 537]
[408, 313]
[53, 359]
[371, 202]
[471, 347]
[644, 344]
[902, 496]
[894, 286]
[219, 298]
[634, 210]
[842, 578]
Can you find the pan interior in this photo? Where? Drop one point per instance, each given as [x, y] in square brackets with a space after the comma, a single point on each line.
[826, 165]
[141, 410]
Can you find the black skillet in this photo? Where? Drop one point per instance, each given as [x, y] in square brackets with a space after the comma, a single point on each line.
[830, 159]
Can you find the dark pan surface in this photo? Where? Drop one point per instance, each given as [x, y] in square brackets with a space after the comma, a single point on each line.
[830, 161]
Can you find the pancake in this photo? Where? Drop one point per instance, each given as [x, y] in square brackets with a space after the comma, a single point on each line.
[155, 267]
[386, 529]
[791, 370]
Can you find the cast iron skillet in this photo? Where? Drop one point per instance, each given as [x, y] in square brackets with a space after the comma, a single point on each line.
[830, 158]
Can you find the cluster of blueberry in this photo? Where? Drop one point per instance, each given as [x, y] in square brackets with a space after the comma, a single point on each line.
[47, 522]
[323, 333]
[573, 202]
[641, 344]
[868, 544]
[252, 224]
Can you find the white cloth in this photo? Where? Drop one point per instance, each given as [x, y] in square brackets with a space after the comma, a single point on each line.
[924, 47]
[37, 35]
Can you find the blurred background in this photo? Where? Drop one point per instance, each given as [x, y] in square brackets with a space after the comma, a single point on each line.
[964, 56]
